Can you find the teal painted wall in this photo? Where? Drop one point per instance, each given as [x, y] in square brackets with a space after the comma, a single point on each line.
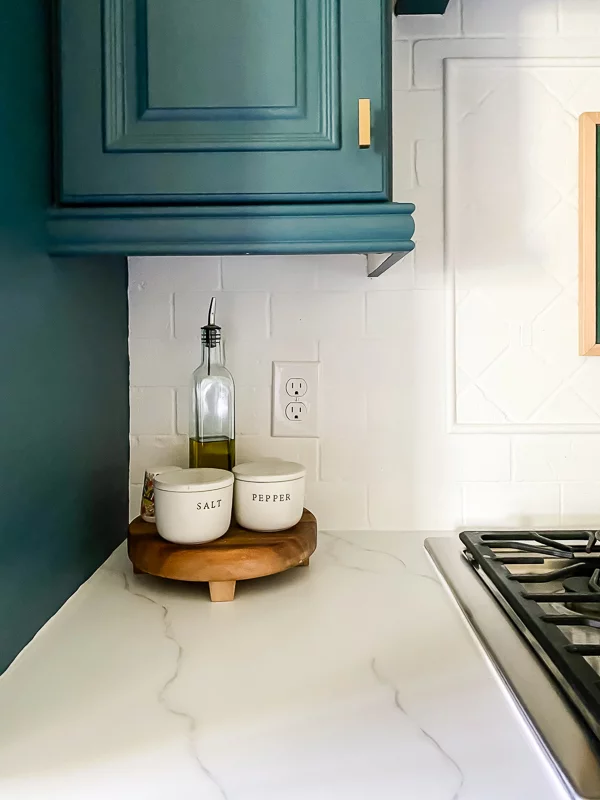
[64, 418]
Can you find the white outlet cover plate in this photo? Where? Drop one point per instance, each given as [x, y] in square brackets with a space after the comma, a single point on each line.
[308, 426]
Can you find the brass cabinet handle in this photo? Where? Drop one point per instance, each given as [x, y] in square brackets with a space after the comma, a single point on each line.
[364, 122]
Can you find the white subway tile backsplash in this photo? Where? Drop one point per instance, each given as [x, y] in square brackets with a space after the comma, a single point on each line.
[317, 315]
[429, 162]
[155, 362]
[175, 273]
[239, 313]
[557, 458]
[274, 273]
[303, 451]
[402, 59]
[411, 505]
[350, 271]
[581, 505]
[156, 451]
[424, 25]
[510, 18]
[339, 506]
[579, 18]
[408, 357]
[512, 505]
[150, 313]
[152, 410]
[135, 500]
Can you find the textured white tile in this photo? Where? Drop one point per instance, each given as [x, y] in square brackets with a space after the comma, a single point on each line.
[422, 25]
[586, 383]
[238, 313]
[342, 413]
[518, 505]
[581, 505]
[480, 457]
[338, 506]
[418, 114]
[401, 65]
[269, 273]
[317, 314]
[250, 358]
[418, 505]
[474, 408]
[135, 500]
[557, 458]
[253, 410]
[162, 363]
[152, 410]
[518, 382]
[156, 451]
[429, 162]
[429, 263]
[510, 17]
[175, 273]
[303, 451]
[350, 274]
[566, 407]
[579, 18]
[183, 410]
[341, 456]
[429, 54]
[149, 313]
[482, 334]
[405, 314]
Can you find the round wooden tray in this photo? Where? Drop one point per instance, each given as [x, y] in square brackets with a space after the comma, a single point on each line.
[237, 556]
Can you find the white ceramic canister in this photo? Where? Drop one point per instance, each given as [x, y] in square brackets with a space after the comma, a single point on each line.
[269, 495]
[193, 506]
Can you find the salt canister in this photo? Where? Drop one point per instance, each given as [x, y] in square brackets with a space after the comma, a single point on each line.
[269, 495]
[193, 506]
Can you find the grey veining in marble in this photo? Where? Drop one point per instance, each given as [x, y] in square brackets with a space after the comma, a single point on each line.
[352, 679]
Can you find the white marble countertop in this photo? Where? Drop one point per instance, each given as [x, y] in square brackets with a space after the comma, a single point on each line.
[354, 679]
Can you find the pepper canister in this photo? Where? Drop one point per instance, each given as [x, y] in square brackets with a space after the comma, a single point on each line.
[269, 495]
[193, 506]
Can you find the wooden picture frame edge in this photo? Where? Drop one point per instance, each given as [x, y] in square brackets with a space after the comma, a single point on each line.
[588, 175]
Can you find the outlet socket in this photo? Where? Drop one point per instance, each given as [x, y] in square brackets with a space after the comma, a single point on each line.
[296, 412]
[296, 387]
[290, 416]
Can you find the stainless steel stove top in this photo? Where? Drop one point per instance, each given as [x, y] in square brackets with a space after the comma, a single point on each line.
[566, 738]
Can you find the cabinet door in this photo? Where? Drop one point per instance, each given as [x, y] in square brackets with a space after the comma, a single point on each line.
[222, 101]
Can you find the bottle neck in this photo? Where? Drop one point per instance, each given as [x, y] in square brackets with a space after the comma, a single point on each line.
[212, 356]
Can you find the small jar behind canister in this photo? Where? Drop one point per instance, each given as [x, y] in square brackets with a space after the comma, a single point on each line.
[269, 495]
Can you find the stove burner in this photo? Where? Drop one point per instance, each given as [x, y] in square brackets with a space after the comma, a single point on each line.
[546, 546]
[582, 586]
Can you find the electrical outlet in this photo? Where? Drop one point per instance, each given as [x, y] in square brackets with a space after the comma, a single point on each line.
[290, 416]
[296, 387]
[296, 412]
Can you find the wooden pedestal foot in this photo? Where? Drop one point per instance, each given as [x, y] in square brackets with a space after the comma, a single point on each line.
[137, 571]
[304, 563]
[221, 591]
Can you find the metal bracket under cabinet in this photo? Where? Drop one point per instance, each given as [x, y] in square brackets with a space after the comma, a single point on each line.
[378, 263]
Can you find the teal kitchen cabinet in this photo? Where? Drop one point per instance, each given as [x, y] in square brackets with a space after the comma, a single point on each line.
[225, 127]
[206, 101]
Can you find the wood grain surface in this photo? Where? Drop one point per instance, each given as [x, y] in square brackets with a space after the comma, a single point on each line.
[237, 556]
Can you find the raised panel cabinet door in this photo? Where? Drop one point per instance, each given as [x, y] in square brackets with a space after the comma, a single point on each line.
[218, 101]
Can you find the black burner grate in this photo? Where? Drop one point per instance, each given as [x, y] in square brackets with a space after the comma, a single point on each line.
[579, 582]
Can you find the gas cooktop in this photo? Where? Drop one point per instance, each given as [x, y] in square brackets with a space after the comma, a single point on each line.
[533, 600]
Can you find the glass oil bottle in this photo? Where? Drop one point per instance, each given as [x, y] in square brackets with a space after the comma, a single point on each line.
[212, 411]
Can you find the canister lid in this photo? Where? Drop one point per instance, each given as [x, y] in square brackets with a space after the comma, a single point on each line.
[203, 479]
[269, 471]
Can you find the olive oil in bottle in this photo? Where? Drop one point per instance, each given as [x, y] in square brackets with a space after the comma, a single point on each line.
[218, 452]
[212, 411]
